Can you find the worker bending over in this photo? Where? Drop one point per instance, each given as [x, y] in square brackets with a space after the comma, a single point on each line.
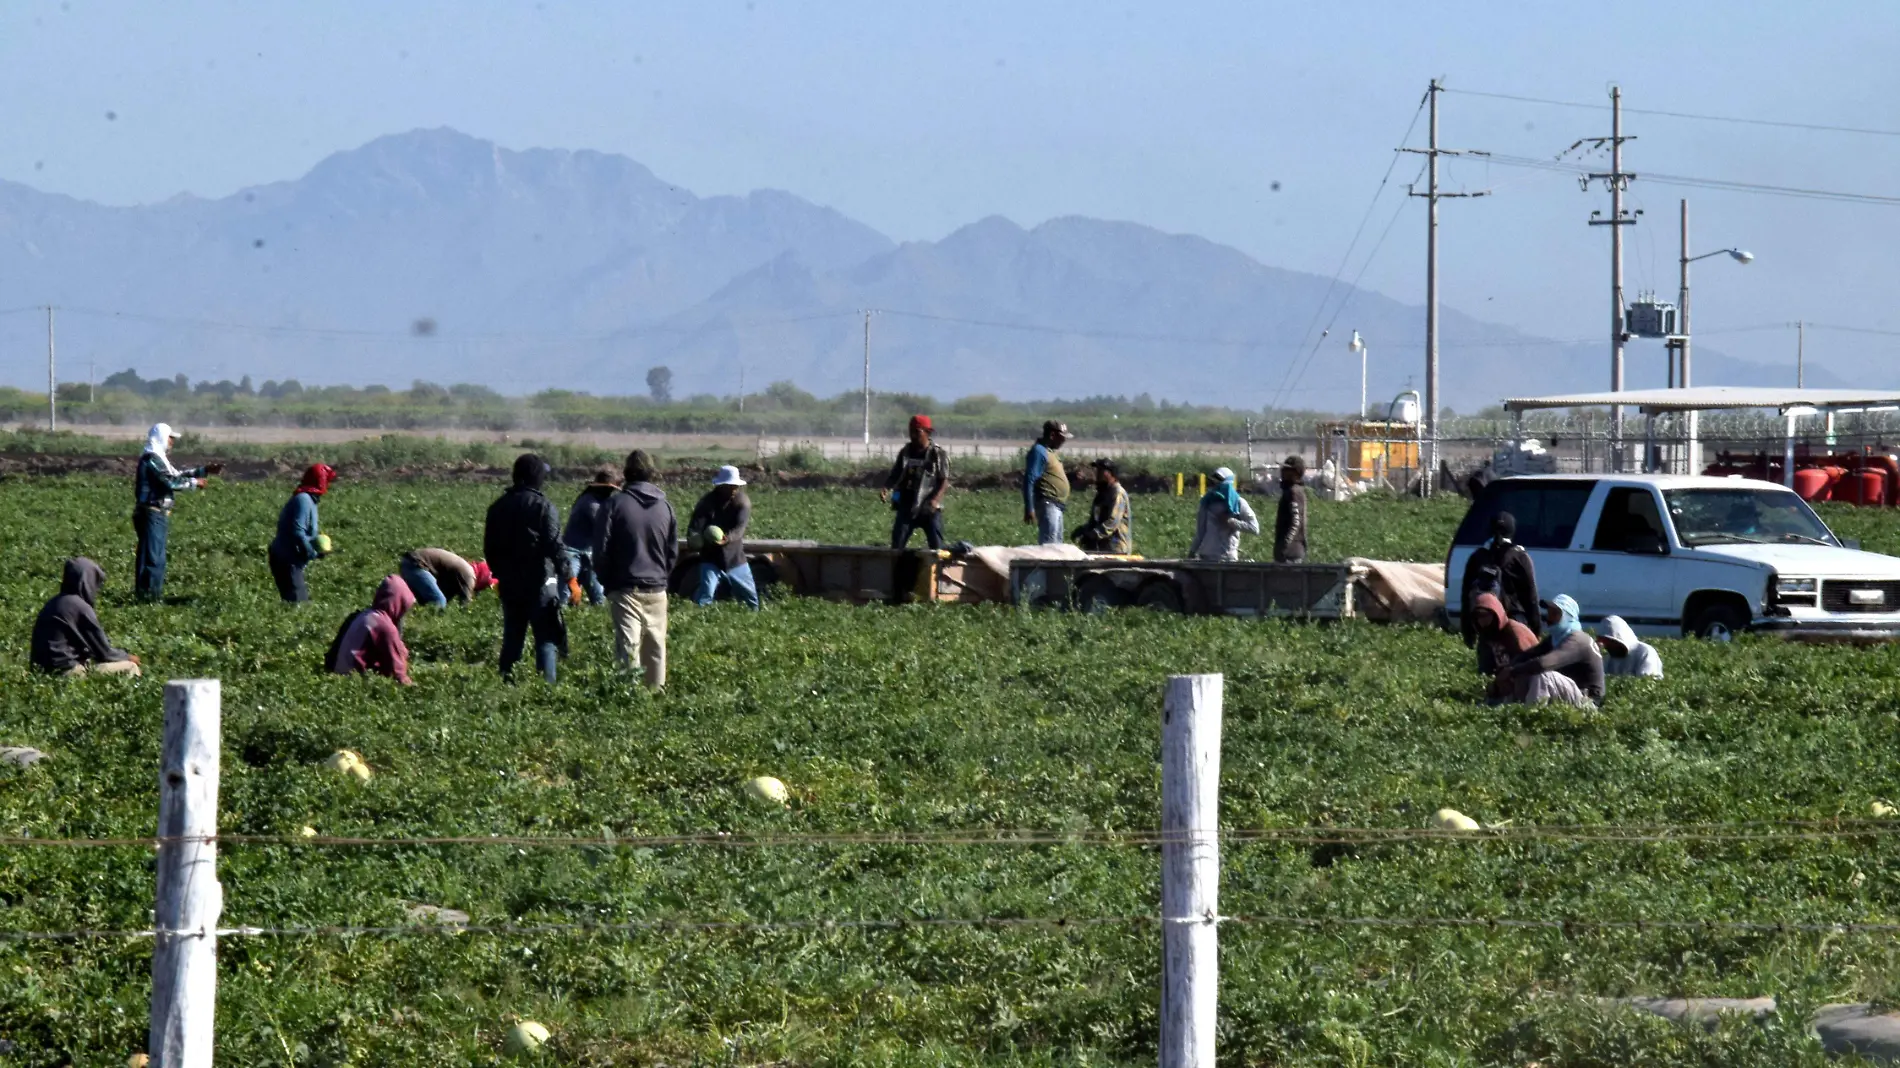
[438, 576]
[370, 642]
[718, 525]
[298, 539]
[1565, 667]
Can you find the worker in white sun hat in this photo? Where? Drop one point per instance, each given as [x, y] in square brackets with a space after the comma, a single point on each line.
[1223, 516]
[717, 531]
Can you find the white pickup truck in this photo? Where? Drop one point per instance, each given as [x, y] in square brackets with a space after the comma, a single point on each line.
[1678, 554]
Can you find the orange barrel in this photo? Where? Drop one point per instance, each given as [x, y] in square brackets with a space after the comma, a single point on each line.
[1873, 486]
[1810, 483]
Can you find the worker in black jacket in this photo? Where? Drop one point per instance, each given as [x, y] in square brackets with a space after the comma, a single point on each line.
[67, 637]
[522, 541]
[1502, 567]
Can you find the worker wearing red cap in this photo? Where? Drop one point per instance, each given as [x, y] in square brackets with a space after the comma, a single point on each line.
[916, 485]
[298, 540]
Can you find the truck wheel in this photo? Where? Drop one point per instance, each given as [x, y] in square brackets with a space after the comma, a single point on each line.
[1098, 594]
[1163, 596]
[1719, 622]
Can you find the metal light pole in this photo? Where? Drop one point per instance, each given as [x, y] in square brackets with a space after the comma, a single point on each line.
[1687, 376]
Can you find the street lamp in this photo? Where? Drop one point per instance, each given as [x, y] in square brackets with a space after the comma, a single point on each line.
[1694, 457]
[1359, 346]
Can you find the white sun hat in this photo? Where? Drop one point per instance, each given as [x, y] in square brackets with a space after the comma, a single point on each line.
[728, 476]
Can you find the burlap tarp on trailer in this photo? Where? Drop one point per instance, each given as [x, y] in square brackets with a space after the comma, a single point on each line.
[983, 575]
[1393, 591]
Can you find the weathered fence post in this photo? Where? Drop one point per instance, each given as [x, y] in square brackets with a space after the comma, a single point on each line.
[1190, 869]
[190, 900]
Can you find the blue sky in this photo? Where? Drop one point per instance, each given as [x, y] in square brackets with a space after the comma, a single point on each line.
[919, 118]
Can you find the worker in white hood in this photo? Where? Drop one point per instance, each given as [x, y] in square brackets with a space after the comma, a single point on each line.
[1624, 653]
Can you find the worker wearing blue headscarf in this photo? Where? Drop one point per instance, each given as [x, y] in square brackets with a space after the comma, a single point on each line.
[1223, 516]
[1565, 667]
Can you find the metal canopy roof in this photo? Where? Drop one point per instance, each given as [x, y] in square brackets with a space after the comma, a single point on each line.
[1708, 398]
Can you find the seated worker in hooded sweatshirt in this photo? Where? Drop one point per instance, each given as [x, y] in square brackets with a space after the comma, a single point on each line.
[1626, 654]
[370, 642]
[67, 637]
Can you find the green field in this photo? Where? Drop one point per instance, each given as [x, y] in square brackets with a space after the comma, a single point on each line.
[918, 719]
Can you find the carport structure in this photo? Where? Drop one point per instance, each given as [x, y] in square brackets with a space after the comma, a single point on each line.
[1792, 404]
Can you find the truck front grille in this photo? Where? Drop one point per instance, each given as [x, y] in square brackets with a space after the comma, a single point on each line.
[1837, 595]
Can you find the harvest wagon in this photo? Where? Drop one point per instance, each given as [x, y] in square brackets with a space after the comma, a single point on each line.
[1062, 576]
[1188, 587]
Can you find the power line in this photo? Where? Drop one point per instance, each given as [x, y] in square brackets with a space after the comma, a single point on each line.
[1823, 127]
[1724, 184]
[1377, 192]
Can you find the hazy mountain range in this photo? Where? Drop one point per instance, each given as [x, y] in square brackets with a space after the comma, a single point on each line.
[434, 255]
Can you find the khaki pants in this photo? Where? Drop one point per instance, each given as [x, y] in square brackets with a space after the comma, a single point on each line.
[640, 621]
[112, 667]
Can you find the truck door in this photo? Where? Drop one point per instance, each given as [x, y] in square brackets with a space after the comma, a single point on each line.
[1547, 513]
[1623, 565]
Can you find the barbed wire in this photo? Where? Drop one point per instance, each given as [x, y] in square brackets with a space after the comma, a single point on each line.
[1306, 924]
[1744, 830]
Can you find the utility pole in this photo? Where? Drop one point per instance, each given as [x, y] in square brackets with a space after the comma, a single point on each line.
[1800, 354]
[867, 376]
[1429, 462]
[52, 380]
[1616, 180]
[742, 389]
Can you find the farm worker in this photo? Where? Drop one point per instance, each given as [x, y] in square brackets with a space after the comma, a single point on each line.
[370, 642]
[438, 576]
[1108, 529]
[635, 551]
[723, 561]
[1501, 640]
[67, 637]
[152, 489]
[1565, 667]
[1626, 654]
[578, 536]
[297, 542]
[915, 487]
[1046, 484]
[1223, 515]
[522, 540]
[1289, 523]
[1501, 566]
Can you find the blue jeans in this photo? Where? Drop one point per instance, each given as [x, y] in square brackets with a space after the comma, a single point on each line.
[580, 563]
[1048, 522]
[421, 583]
[739, 578]
[550, 635]
[289, 578]
[905, 524]
[153, 528]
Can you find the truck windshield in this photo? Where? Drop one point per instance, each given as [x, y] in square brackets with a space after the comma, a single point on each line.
[1714, 516]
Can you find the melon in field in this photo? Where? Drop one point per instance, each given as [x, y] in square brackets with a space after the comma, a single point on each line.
[1882, 810]
[137, 1060]
[324, 544]
[768, 789]
[1450, 819]
[347, 762]
[524, 1037]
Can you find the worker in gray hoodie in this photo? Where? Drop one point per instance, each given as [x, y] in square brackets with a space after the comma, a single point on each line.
[67, 636]
[635, 549]
[1626, 654]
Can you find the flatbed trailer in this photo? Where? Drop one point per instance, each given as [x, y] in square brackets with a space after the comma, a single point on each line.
[857, 574]
[1189, 587]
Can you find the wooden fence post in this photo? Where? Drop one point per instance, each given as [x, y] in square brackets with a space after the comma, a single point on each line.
[1190, 869]
[190, 899]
